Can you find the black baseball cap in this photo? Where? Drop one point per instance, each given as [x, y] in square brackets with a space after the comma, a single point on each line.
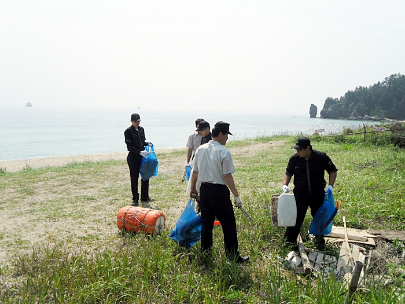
[302, 143]
[135, 117]
[223, 127]
[202, 125]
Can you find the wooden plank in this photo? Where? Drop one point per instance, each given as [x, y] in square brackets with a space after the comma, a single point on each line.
[389, 234]
[353, 231]
[362, 259]
[341, 268]
[355, 253]
[305, 261]
[349, 236]
[350, 264]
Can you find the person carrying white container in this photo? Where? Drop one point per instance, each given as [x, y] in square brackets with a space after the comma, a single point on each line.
[308, 167]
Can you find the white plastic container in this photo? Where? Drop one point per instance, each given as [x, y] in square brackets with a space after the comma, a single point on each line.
[283, 210]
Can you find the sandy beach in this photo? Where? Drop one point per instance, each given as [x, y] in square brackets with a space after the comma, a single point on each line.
[35, 163]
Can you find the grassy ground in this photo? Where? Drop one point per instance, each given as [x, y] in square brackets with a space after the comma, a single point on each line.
[61, 243]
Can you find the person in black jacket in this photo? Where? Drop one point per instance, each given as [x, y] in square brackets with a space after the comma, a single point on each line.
[136, 141]
[204, 130]
[308, 167]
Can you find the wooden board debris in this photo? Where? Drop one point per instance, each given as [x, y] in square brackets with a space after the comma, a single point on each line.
[343, 261]
[389, 234]
[305, 261]
[354, 235]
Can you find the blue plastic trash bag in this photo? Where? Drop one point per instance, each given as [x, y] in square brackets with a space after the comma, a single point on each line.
[188, 171]
[323, 220]
[188, 227]
[149, 164]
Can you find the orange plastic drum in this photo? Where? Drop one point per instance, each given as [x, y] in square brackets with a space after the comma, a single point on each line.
[138, 219]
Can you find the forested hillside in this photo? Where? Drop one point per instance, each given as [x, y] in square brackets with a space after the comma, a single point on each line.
[384, 99]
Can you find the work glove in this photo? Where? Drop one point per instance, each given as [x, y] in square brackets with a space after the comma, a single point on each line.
[330, 187]
[286, 189]
[238, 202]
[150, 144]
[143, 154]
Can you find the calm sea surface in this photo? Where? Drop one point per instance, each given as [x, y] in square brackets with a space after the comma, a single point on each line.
[37, 132]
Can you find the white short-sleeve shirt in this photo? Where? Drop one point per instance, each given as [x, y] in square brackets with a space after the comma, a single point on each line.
[212, 160]
[194, 141]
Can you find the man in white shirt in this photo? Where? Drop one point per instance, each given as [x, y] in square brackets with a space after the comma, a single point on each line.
[213, 166]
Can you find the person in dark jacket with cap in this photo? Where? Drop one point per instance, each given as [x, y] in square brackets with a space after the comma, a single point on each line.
[216, 181]
[308, 167]
[204, 130]
[136, 141]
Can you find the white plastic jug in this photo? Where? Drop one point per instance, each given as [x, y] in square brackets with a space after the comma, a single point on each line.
[283, 210]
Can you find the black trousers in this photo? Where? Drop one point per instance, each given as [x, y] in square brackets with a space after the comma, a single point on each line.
[303, 200]
[215, 202]
[134, 162]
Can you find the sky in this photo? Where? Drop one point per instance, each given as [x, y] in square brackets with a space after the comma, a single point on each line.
[267, 56]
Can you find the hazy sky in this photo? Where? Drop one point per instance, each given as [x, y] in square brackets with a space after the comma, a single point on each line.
[267, 56]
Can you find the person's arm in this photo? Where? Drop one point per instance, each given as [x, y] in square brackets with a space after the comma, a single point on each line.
[286, 179]
[189, 153]
[193, 181]
[231, 184]
[332, 178]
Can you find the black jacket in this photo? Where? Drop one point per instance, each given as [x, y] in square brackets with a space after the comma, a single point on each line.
[135, 139]
[311, 170]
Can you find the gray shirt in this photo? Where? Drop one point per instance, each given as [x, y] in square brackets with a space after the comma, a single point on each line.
[194, 141]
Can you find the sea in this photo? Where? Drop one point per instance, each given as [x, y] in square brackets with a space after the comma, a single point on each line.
[30, 132]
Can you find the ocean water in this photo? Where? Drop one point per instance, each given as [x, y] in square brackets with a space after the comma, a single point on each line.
[47, 132]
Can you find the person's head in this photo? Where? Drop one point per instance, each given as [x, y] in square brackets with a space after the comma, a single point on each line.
[197, 121]
[203, 128]
[303, 147]
[220, 132]
[135, 119]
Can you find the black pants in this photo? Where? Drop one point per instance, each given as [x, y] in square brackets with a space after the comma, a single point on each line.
[215, 202]
[134, 162]
[303, 200]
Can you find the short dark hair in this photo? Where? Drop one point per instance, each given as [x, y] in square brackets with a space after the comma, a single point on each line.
[219, 127]
[198, 120]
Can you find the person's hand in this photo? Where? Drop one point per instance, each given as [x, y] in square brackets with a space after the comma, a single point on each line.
[330, 187]
[187, 164]
[150, 144]
[194, 194]
[238, 202]
[143, 154]
[286, 189]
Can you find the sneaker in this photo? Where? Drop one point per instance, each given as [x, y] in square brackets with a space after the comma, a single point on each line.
[241, 259]
[145, 204]
[135, 203]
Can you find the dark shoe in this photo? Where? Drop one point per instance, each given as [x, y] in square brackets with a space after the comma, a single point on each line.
[135, 203]
[319, 242]
[241, 259]
[150, 199]
[145, 204]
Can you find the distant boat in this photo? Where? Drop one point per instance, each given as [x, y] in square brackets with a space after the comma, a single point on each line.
[28, 104]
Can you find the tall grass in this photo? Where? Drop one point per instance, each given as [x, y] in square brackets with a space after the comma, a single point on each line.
[126, 268]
